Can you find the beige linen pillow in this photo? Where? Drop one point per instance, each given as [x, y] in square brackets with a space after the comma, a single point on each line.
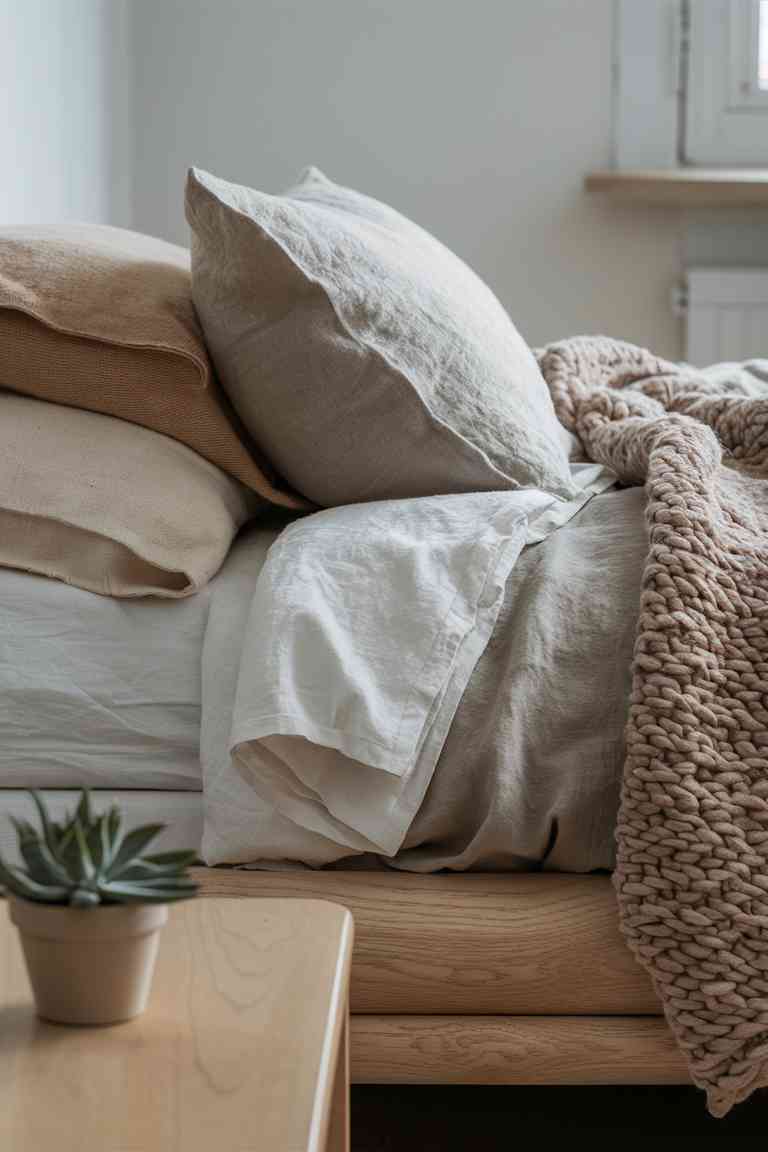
[365, 359]
[102, 319]
[109, 506]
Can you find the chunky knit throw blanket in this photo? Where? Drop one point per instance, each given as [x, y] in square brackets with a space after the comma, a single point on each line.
[692, 834]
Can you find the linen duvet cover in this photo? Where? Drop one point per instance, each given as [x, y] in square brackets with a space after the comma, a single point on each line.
[133, 695]
[519, 769]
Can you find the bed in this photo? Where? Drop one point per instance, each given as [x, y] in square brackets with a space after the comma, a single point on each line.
[487, 979]
[460, 977]
[482, 655]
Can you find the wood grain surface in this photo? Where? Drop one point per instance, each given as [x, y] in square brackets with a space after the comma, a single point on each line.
[472, 943]
[238, 1049]
[684, 187]
[514, 1050]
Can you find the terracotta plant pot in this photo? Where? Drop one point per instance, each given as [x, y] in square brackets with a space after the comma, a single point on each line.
[89, 965]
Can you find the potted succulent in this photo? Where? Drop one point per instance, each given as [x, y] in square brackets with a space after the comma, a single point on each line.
[89, 907]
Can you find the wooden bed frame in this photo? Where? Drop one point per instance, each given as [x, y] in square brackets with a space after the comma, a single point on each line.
[486, 978]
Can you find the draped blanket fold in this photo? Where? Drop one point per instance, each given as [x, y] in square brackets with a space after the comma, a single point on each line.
[692, 833]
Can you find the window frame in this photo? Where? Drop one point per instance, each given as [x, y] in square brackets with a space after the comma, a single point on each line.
[744, 55]
[725, 111]
[648, 83]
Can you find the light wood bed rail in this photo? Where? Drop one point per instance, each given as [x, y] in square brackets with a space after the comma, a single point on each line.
[514, 1050]
[486, 978]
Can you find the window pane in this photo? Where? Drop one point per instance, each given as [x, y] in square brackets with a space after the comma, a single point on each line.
[762, 50]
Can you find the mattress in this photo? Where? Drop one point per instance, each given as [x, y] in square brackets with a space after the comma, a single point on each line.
[97, 691]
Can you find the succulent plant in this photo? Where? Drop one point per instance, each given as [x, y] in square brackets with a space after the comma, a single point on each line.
[85, 860]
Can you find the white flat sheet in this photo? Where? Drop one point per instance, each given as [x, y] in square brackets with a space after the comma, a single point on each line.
[239, 826]
[96, 691]
[365, 626]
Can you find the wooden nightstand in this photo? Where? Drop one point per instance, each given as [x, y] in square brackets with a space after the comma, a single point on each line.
[243, 1047]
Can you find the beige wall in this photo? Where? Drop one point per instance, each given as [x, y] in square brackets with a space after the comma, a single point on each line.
[478, 118]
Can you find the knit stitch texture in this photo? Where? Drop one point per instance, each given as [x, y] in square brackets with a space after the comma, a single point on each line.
[692, 832]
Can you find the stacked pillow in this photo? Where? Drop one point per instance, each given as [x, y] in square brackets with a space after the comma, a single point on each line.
[359, 359]
[101, 321]
[108, 506]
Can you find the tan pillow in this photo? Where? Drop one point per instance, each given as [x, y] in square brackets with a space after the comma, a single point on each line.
[109, 506]
[102, 319]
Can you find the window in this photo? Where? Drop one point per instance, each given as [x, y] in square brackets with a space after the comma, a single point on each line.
[726, 97]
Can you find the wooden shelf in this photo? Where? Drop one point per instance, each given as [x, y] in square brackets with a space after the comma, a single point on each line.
[684, 187]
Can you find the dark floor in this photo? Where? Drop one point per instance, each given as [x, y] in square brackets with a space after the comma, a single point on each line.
[437, 1119]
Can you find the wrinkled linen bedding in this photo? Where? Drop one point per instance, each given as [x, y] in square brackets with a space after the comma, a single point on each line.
[528, 775]
[530, 772]
[98, 691]
[449, 683]
[107, 693]
[309, 743]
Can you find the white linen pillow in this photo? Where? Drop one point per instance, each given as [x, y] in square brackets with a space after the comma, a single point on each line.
[365, 359]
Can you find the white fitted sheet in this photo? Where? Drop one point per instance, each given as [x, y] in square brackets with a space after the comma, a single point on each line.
[96, 691]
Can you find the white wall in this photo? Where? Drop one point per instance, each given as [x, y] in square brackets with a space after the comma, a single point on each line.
[478, 118]
[64, 109]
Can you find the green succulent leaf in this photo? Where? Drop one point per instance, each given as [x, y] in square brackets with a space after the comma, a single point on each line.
[95, 844]
[24, 830]
[69, 852]
[105, 836]
[181, 882]
[51, 832]
[84, 898]
[87, 869]
[125, 893]
[84, 861]
[114, 821]
[42, 865]
[131, 846]
[83, 813]
[20, 884]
